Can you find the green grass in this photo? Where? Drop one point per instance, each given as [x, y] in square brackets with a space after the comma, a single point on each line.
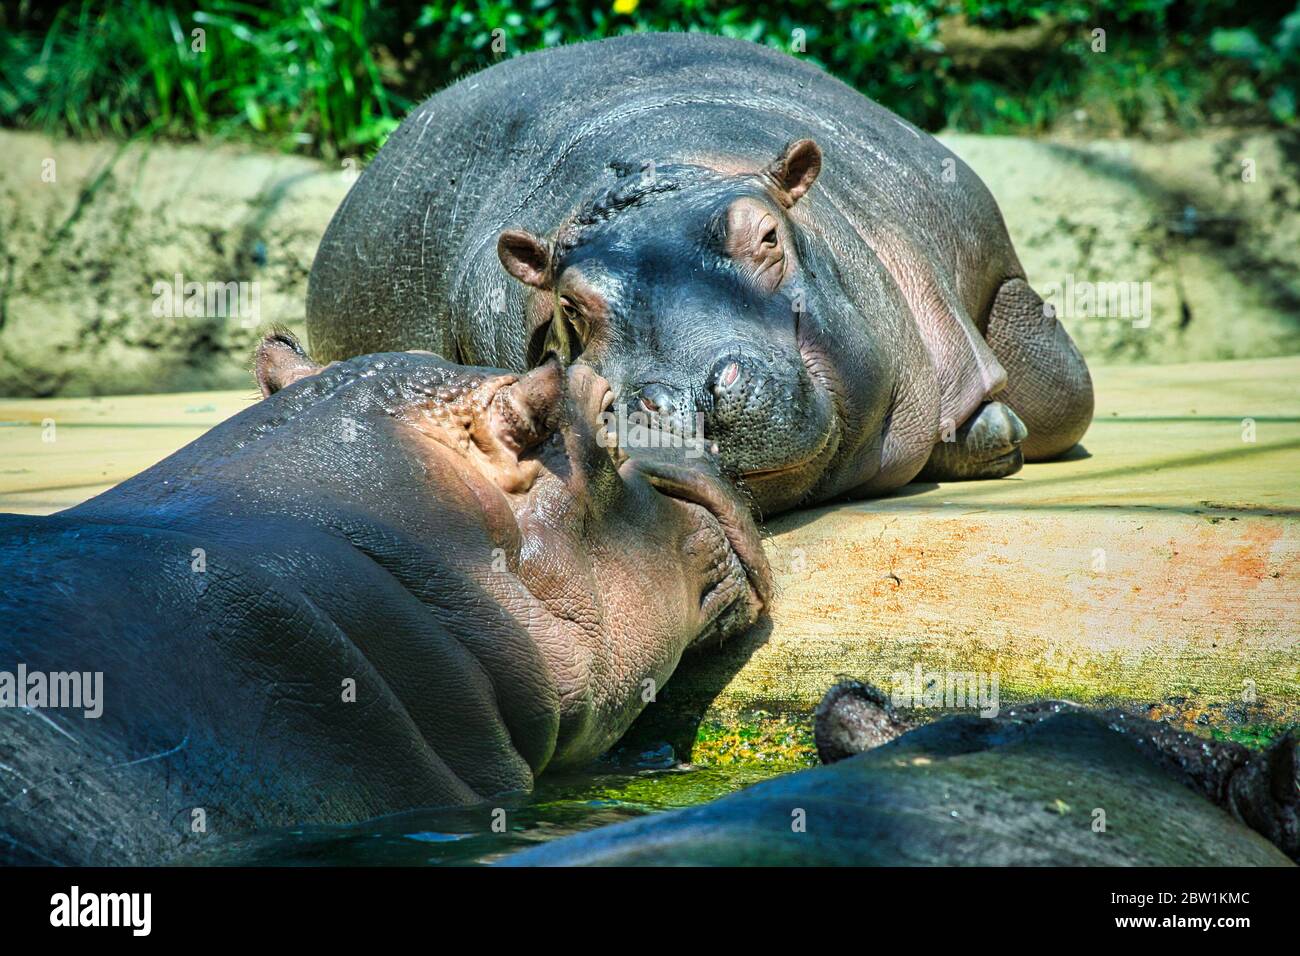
[298, 75]
[334, 77]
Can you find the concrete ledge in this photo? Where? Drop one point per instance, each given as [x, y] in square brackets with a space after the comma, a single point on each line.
[55, 453]
[1162, 561]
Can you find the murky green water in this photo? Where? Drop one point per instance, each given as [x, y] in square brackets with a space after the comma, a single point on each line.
[561, 805]
[629, 783]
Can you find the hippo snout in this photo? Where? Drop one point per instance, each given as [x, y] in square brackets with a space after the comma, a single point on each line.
[774, 427]
[661, 399]
[746, 392]
[668, 407]
[757, 409]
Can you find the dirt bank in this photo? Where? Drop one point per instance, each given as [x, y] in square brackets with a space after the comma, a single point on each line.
[91, 233]
[84, 255]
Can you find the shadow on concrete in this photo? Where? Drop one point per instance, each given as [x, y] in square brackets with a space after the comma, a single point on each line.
[915, 488]
[952, 501]
[1077, 453]
[1275, 280]
[706, 671]
[1185, 461]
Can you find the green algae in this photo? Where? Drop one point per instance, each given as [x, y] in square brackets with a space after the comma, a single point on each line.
[767, 743]
[1255, 736]
[563, 804]
[724, 756]
[761, 739]
[1066, 790]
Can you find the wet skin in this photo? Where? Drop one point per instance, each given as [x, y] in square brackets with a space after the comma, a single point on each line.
[1021, 789]
[394, 583]
[725, 233]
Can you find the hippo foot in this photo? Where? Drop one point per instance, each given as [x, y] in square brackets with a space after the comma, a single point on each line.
[987, 445]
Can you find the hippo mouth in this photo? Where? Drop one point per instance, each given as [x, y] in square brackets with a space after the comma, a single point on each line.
[727, 607]
[807, 461]
[785, 486]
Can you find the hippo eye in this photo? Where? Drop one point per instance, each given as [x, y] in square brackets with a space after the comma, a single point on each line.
[567, 333]
[575, 319]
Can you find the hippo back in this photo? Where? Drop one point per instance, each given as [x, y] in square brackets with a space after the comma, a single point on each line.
[409, 260]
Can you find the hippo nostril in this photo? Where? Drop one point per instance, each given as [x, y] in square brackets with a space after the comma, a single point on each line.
[725, 376]
[656, 398]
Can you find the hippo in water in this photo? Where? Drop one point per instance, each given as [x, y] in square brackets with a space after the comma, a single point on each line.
[1044, 784]
[393, 583]
[731, 238]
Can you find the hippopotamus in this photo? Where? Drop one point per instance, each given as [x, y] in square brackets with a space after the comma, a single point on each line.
[394, 582]
[741, 245]
[1044, 784]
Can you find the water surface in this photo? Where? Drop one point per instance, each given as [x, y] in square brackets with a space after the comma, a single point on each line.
[561, 805]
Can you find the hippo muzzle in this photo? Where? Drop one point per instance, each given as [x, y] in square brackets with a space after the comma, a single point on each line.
[771, 424]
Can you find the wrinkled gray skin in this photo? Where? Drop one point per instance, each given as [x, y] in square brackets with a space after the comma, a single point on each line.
[718, 229]
[454, 541]
[1021, 789]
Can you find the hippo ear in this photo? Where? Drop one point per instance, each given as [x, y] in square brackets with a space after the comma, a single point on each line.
[795, 170]
[525, 257]
[280, 361]
[525, 413]
[852, 718]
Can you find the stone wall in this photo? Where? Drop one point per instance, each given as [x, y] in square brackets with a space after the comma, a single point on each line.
[87, 230]
[82, 255]
[1212, 224]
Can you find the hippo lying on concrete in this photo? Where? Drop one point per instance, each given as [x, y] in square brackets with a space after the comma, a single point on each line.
[727, 235]
[1044, 784]
[393, 583]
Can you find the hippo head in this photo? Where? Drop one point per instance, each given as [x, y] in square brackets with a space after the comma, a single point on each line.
[614, 565]
[688, 289]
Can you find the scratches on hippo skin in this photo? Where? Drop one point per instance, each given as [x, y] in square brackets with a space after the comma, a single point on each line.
[49, 720]
[90, 771]
[5, 768]
[424, 234]
[160, 755]
[907, 126]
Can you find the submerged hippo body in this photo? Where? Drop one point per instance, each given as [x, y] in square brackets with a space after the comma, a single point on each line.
[722, 231]
[393, 583]
[1048, 784]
